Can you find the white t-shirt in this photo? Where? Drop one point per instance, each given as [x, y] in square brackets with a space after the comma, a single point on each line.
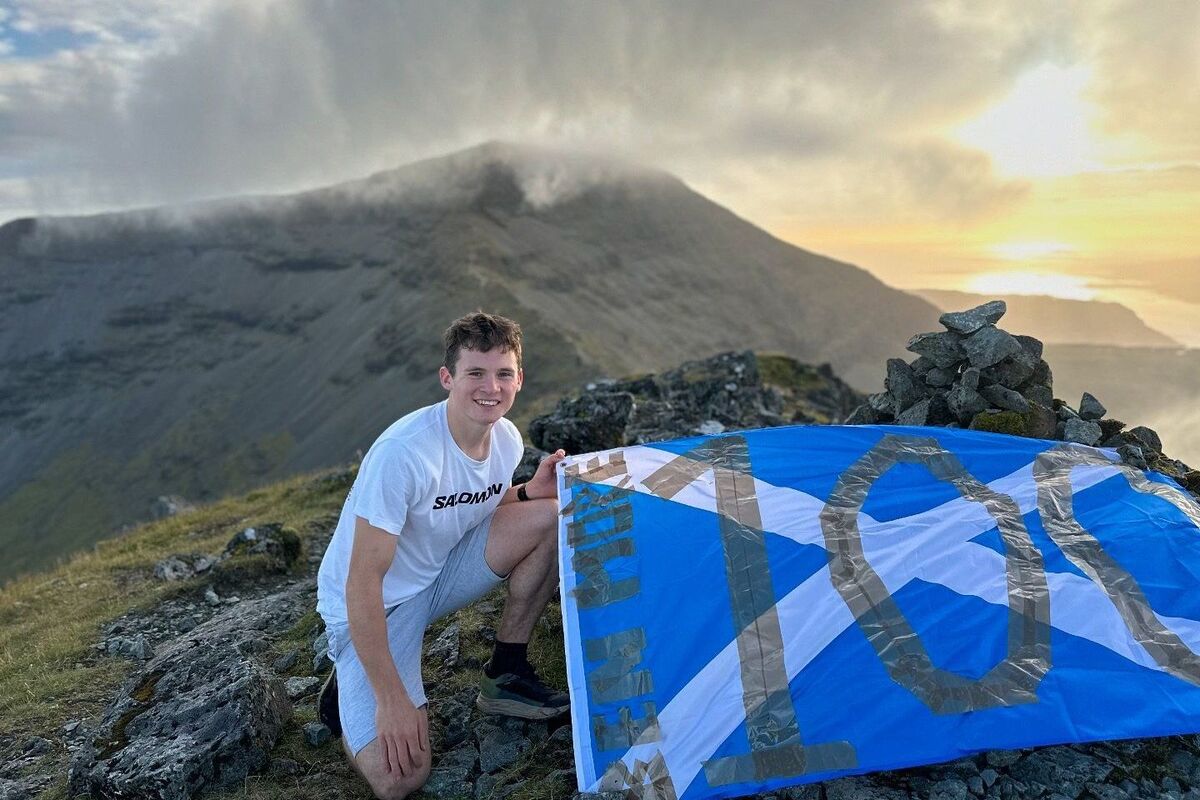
[416, 483]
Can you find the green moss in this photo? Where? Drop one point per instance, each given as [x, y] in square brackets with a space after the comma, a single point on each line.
[785, 372]
[1009, 422]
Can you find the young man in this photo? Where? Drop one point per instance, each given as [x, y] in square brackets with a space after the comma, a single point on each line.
[430, 525]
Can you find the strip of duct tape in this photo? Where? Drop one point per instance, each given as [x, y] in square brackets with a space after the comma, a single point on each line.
[647, 781]
[1014, 680]
[616, 679]
[596, 586]
[587, 497]
[596, 471]
[781, 761]
[627, 731]
[588, 529]
[1052, 473]
[676, 475]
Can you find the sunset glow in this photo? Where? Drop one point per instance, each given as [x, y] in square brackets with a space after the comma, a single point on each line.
[1022, 251]
[1068, 287]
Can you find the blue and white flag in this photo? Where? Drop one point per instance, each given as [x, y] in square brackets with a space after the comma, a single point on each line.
[753, 610]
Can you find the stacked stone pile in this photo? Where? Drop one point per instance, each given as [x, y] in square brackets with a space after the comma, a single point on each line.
[975, 375]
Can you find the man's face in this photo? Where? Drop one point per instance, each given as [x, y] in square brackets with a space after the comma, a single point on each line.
[484, 385]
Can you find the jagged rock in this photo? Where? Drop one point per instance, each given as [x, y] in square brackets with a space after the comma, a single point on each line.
[501, 743]
[940, 378]
[944, 348]
[971, 377]
[1040, 422]
[453, 715]
[1147, 437]
[211, 597]
[1032, 346]
[903, 384]
[286, 661]
[37, 746]
[917, 414]
[971, 320]
[322, 663]
[863, 415]
[1004, 398]
[255, 552]
[136, 647]
[1038, 393]
[883, 404]
[173, 568]
[1132, 455]
[989, 345]
[595, 421]
[1014, 371]
[444, 650]
[1090, 408]
[449, 776]
[965, 403]
[317, 733]
[1081, 431]
[921, 366]
[199, 715]
[302, 687]
[950, 789]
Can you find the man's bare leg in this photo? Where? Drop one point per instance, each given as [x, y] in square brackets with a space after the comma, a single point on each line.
[385, 785]
[523, 544]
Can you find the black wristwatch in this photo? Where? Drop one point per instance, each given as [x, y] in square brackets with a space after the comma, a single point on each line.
[521, 493]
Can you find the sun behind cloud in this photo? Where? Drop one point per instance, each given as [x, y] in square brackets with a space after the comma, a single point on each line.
[1031, 282]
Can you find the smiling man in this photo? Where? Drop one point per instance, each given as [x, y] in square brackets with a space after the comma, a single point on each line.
[430, 525]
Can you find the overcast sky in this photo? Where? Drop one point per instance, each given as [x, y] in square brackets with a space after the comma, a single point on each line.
[928, 142]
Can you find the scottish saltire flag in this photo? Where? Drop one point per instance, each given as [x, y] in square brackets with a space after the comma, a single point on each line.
[758, 609]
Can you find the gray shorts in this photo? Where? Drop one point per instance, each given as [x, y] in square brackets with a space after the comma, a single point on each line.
[465, 578]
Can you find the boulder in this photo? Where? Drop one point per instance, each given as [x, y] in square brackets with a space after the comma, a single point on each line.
[989, 345]
[916, 414]
[967, 322]
[1082, 431]
[1004, 398]
[1012, 372]
[943, 348]
[200, 715]
[594, 421]
[965, 403]
[1147, 437]
[1032, 346]
[903, 384]
[1090, 408]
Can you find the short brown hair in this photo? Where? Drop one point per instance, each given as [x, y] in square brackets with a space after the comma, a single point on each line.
[481, 332]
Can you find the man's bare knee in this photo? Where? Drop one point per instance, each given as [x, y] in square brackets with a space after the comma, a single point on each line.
[388, 785]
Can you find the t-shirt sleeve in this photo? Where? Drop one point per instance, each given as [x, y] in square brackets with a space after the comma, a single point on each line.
[387, 484]
[516, 446]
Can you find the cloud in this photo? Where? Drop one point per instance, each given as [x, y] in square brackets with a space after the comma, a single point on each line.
[170, 102]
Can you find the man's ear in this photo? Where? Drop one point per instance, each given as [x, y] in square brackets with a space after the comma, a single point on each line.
[445, 378]
[520, 378]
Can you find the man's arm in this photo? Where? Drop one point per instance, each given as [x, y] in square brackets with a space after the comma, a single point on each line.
[544, 483]
[400, 726]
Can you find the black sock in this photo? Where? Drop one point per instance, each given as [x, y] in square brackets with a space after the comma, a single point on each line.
[508, 657]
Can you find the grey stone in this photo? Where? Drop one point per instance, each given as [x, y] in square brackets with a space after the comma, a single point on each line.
[1038, 393]
[860, 787]
[1004, 398]
[200, 715]
[863, 415]
[498, 747]
[450, 775]
[967, 322]
[988, 775]
[1148, 437]
[1132, 455]
[37, 746]
[950, 789]
[1032, 346]
[321, 661]
[921, 366]
[989, 345]
[1106, 791]
[965, 403]
[302, 687]
[598, 796]
[137, 647]
[917, 414]
[173, 568]
[1081, 431]
[561, 735]
[445, 648]
[593, 421]
[317, 733]
[883, 404]
[1014, 372]
[210, 597]
[939, 378]
[1062, 769]
[944, 348]
[1065, 412]
[970, 378]
[1090, 408]
[272, 547]
[975, 785]
[485, 786]
[1040, 422]
[903, 384]
[286, 661]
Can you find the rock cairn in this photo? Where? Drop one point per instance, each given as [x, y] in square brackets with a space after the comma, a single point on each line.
[975, 375]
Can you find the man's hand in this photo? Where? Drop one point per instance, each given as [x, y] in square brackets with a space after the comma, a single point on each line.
[403, 735]
[544, 483]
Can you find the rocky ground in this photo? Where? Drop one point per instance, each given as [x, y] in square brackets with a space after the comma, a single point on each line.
[220, 700]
